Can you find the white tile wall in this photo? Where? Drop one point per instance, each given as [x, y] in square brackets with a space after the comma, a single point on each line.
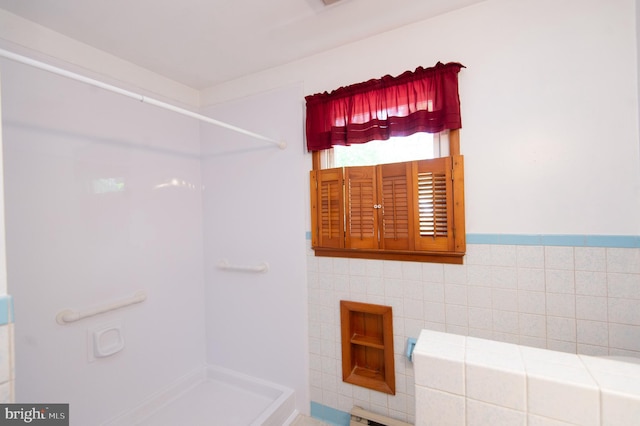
[620, 388]
[506, 384]
[5, 354]
[570, 299]
[7, 384]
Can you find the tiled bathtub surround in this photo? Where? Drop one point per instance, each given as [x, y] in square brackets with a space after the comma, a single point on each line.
[575, 299]
[6, 350]
[469, 381]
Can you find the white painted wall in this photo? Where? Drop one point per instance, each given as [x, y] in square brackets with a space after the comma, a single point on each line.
[76, 242]
[3, 246]
[638, 42]
[254, 207]
[549, 107]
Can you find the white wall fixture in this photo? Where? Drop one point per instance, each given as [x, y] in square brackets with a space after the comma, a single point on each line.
[66, 316]
[105, 340]
[261, 267]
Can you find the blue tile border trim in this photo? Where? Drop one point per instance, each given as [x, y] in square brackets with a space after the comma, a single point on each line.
[330, 415]
[6, 309]
[611, 241]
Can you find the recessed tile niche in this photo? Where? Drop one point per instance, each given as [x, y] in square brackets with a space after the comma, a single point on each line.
[367, 346]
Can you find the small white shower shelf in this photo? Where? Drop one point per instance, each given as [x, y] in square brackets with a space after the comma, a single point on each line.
[226, 265]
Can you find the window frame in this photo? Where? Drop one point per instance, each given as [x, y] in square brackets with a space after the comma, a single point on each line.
[453, 255]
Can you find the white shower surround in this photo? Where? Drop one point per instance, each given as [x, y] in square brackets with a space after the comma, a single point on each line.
[214, 394]
[106, 196]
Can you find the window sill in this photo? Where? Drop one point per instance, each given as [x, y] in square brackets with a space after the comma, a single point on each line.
[411, 256]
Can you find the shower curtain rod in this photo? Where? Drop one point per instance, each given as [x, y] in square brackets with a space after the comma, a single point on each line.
[59, 71]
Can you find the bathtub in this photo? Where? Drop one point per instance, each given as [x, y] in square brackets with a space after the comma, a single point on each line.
[214, 396]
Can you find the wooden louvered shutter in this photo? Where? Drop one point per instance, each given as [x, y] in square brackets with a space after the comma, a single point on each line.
[401, 211]
[394, 181]
[360, 207]
[327, 208]
[432, 187]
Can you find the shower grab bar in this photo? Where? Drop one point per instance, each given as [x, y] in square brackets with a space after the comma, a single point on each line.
[261, 267]
[144, 99]
[67, 316]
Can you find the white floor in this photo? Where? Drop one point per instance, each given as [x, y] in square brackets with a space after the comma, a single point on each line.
[302, 420]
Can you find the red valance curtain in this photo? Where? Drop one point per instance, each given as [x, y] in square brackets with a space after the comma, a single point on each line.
[425, 100]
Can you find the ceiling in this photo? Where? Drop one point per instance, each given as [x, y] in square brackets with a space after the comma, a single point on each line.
[201, 43]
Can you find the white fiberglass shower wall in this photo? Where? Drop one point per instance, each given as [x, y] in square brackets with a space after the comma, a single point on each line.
[254, 203]
[103, 199]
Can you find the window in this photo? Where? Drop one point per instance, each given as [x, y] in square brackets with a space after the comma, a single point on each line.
[407, 211]
[403, 210]
[419, 146]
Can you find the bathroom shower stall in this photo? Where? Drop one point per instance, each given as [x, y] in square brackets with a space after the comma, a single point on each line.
[107, 198]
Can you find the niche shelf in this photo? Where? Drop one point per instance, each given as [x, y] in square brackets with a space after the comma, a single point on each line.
[367, 346]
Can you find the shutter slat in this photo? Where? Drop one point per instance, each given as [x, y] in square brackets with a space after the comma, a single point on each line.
[397, 206]
[432, 187]
[330, 208]
[361, 218]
